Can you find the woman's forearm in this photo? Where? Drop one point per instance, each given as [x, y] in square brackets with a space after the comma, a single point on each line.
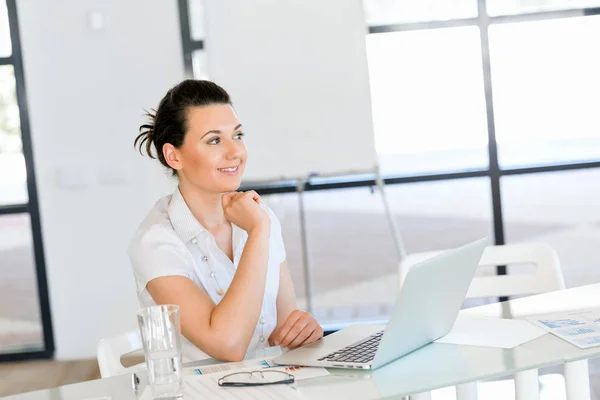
[237, 314]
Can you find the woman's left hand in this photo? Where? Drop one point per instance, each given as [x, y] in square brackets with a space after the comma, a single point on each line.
[300, 328]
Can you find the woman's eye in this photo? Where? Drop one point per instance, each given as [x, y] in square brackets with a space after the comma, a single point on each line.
[239, 135]
[214, 141]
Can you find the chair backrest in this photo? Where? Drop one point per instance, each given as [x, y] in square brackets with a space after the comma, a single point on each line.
[546, 277]
[112, 348]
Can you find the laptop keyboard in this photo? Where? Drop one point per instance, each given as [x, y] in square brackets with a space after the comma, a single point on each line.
[360, 352]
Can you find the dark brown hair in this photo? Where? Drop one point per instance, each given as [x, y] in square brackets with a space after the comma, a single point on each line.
[168, 123]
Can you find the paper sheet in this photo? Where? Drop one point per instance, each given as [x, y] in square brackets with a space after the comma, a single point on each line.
[299, 373]
[491, 332]
[205, 386]
[258, 363]
[580, 328]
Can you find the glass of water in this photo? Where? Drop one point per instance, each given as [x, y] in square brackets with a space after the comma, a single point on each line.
[161, 337]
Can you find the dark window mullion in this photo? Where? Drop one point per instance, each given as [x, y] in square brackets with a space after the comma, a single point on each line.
[197, 45]
[550, 168]
[494, 168]
[186, 38]
[544, 15]
[14, 209]
[418, 26]
[6, 60]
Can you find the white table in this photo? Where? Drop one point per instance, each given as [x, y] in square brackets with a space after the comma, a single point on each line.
[434, 366]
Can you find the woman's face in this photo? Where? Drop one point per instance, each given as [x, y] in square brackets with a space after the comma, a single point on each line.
[213, 154]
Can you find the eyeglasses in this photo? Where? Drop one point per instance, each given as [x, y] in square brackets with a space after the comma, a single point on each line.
[256, 378]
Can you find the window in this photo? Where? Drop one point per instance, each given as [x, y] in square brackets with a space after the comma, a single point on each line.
[25, 325]
[546, 103]
[561, 209]
[13, 180]
[352, 250]
[5, 44]
[428, 106]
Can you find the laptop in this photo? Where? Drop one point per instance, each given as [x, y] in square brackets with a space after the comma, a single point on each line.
[425, 310]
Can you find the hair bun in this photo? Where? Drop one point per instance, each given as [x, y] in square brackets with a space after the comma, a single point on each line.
[146, 136]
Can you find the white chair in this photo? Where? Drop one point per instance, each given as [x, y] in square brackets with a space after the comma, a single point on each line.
[111, 349]
[546, 277]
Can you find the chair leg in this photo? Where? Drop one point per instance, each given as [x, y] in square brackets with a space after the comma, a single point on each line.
[421, 396]
[577, 380]
[466, 391]
[527, 385]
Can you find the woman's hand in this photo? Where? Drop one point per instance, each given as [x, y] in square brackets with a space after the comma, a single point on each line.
[299, 329]
[243, 209]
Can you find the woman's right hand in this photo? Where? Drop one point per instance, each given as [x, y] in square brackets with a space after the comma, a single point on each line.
[243, 209]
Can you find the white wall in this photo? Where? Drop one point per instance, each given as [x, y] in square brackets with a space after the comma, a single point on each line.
[86, 90]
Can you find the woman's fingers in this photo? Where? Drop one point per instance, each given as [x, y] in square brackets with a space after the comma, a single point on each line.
[255, 196]
[299, 328]
[304, 334]
[228, 198]
[287, 326]
[294, 331]
[314, 336]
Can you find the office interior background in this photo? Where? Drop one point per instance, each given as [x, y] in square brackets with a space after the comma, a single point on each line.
[485, 118]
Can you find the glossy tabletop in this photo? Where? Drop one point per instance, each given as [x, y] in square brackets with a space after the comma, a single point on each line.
[431, 367]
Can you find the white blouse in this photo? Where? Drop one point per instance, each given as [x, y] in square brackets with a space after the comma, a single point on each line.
[170, 241]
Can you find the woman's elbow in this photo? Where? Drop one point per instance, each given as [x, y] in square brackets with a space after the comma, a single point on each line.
[231, 353]
[233, 357]
[229, 348]
[228, 345]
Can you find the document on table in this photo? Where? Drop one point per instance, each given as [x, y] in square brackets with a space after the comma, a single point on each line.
[206, 386]
[580, 328]
[491, 332]
[299, 373]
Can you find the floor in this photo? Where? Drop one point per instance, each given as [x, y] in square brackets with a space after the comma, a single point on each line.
[17, 377]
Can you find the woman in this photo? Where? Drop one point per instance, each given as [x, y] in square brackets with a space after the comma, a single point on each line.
[215, 252]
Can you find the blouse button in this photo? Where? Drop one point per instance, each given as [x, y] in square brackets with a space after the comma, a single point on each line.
[204, 258]
[212, 274]
[194, 241]
[262, 339]
[262, 321]
[220, 292]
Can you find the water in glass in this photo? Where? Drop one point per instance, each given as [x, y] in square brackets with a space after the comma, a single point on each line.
[161, 336]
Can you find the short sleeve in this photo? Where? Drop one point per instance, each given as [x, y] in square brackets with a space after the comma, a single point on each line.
[276, 246]
[158, 252]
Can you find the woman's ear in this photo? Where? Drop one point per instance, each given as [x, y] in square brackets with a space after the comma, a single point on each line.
[172, 156]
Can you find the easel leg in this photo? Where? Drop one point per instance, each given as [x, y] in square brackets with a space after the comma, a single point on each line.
[305, 250]
[393, 225]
